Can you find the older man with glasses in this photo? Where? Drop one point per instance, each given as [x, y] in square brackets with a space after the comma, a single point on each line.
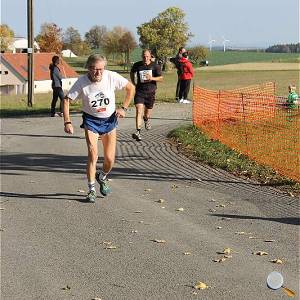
[100, 117]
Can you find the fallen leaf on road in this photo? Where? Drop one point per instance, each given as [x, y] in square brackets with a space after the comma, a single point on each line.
[212, 210]
[174, 186]
[180, 209]
[221, 205]
[289, 292]
[110, 247]
[226, 251]
[148, 190]
[219, 260]
[160, 200]
[212, 200]
[260, 253]
[200, 286]
[81, 191]
[277, 261]
[66, 288]
[106, 243]
[159, 241]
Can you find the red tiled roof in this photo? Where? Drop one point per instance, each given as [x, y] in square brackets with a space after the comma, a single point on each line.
[18, 61]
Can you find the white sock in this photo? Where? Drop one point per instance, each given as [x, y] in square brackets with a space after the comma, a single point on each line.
[92, 186]
[102, 175]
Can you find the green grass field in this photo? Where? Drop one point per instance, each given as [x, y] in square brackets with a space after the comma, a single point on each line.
[207, 77]
[235, 57]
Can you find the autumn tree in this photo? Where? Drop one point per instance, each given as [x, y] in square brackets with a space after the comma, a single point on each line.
[119, 42]
[6, 37]
[50, 38]
[111, 42]
[197, 54]
[72, 40]
[94, 37]
[165, 33]
[127, 44]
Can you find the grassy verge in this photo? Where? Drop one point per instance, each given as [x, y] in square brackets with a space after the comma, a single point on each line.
[199, 147]
[211, 79]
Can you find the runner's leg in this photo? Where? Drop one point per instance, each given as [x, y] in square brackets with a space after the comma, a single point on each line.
[92, 147]
[109, 142]
[139, 115]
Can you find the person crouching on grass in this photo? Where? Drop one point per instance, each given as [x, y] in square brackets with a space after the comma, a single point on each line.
[100, 117]
[293, 98]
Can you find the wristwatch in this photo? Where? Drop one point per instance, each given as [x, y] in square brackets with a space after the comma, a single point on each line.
[124, 108]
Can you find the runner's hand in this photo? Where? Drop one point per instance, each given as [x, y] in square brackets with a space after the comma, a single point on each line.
[69, 128]
[120, 113]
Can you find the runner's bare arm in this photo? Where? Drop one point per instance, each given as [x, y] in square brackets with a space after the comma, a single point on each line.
[130, 90]
[68, 127]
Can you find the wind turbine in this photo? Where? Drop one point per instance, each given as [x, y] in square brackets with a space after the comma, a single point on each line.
[210, 42]
[224, 43]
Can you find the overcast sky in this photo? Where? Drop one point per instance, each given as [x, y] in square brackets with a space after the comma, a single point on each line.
[243, 22]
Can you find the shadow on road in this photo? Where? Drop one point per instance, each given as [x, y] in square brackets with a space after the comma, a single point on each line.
[54, 196]
[287, 220]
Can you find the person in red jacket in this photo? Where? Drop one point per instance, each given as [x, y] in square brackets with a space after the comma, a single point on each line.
[185, 78]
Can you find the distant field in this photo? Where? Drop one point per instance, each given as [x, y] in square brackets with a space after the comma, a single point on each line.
[235, 57]
[228, 76]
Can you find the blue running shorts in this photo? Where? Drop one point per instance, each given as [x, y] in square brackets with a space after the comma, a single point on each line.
[99, 125]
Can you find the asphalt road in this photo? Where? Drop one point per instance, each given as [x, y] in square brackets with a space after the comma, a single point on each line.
[54, 246]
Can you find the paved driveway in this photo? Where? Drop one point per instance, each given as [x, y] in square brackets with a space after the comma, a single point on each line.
[54, 246]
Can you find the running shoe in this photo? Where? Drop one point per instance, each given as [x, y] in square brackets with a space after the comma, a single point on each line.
[104, 188]
[147, 124]
[91, 197]
[137, 136]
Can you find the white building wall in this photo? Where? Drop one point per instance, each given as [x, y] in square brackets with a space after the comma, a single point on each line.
[45, 85]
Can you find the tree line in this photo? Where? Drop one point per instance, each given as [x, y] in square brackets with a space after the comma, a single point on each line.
[163, 35]
[284, 48]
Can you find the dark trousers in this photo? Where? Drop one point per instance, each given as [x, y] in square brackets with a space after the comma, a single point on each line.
[178, 88]
[57, 93]
[184, 88]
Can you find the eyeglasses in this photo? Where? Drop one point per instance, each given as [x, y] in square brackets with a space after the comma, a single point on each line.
[96, 70]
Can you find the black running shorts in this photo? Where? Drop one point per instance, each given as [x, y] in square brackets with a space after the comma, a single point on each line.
[147, 99]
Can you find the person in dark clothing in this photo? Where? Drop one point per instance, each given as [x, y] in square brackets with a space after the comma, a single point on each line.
[176, 61]
[147, 74]
[185, 78]
[56, 78]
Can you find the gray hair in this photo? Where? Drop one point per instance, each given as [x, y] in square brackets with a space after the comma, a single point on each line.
[93, 58]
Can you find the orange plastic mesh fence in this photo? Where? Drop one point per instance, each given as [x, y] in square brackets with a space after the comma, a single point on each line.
[253, 121]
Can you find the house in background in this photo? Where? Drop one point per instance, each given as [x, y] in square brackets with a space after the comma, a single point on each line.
[68, 53]
[14, 79]
[20, 45]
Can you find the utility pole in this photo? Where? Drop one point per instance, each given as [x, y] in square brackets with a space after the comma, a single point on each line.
[30, 52]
